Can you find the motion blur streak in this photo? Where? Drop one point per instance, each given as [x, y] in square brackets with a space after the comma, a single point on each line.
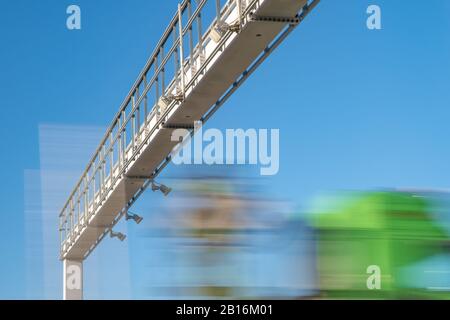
[223, 238]
[403, 233]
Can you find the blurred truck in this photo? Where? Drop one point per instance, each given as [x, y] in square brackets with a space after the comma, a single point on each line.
[401, 234]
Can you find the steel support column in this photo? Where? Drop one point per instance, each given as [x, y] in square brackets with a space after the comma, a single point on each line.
[73, 280]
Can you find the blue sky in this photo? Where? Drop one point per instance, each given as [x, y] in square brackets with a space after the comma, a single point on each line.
[356, 109]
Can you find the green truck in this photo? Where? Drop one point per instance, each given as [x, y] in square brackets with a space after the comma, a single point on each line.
[382, 245]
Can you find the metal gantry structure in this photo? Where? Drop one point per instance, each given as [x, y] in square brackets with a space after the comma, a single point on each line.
[188, 77]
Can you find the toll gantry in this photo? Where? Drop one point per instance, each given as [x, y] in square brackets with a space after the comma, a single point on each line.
[188, 77]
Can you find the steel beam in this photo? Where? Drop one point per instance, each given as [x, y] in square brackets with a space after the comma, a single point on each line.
[73, 280]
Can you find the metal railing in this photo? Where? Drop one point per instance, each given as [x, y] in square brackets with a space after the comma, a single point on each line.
[168, 74]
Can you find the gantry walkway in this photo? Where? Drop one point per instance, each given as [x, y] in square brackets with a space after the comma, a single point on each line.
[191, 73]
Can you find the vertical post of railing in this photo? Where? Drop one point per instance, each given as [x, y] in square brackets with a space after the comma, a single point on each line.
[88, 187]
[80, 195]
[65, 225]
[163, 73]
[133, 122]
[107, 154]
[103, 170]
[111, 158]
[133, 128]
[146, 102]
[94, 187]
[239, 11]
[138, 112]
[218, 9]
[200, 36]
[79, 208]
[105, 161]
[74, 212]
[60, 224]
[74, 209]
[124, 139]
[99, 170]
[100, 174]
[180, 27]
[86, 198]
[156, 62]
[119, 141]
[191, 38]
[175, 55]
[71, 215]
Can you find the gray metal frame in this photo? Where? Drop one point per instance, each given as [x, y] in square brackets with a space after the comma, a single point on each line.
[110, 160]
